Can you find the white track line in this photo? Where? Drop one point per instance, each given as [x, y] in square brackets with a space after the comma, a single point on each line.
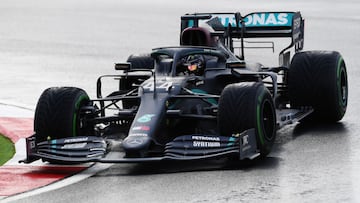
[8, 110]
[61, 183]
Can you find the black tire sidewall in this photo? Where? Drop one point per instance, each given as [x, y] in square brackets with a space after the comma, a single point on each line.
[57, 113]
[241, 107]
[265, 140]
[314, 81]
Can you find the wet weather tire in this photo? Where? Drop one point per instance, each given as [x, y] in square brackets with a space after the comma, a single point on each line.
[57, 113]
[248, 105]
[319, 79]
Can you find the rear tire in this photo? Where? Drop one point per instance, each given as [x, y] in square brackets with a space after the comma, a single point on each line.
[247, 105]
[142, 61]
[319, 79]
[57, 113]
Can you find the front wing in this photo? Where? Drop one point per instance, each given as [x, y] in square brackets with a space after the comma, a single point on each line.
[188, 147]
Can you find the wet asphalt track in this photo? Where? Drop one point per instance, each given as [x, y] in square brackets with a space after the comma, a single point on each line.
[46, 44]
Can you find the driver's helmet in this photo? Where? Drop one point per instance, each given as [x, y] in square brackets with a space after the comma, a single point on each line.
[195, 64]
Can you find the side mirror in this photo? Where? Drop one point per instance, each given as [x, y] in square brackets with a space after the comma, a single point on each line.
[123, 66]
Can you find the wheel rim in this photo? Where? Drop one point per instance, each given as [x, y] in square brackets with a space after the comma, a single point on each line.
[343, 87]
[268, 120]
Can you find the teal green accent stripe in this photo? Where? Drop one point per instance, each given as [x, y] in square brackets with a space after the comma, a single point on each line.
[74, 125]
[199, 91]
[53, 146]
[231, 141]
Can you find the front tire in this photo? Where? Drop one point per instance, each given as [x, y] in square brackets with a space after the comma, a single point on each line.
[247, 105]
[57, 113]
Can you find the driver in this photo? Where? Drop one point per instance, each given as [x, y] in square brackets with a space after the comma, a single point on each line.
[192, 64]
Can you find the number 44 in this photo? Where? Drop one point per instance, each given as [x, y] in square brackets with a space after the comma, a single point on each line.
[162, 86]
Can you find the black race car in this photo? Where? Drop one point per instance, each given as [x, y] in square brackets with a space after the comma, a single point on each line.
[197, 100]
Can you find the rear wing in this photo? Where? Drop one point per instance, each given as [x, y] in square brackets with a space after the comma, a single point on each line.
[253, 25]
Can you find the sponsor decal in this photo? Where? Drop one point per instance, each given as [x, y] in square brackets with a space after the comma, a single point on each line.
[74, 146]
[134, 141]
[82, 139]
[32, 144]
[245, 143]
[201, 82]
[245, 140]
[139, 134]
[258, 19]
[206, 138]
[145, 118]
[205, 141]
[141, 128]
[205, 144]
[268, 19]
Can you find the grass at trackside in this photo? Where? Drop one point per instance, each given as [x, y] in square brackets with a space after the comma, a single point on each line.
[7, 149]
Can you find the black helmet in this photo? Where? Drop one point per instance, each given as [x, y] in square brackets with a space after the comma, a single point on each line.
[195, 64]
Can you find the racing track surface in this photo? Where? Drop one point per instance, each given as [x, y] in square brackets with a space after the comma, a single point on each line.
[65, 42]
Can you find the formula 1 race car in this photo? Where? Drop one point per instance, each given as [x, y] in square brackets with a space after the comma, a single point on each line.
[198, 100]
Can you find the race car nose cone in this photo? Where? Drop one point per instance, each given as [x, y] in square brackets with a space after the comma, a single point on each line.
[136, 143]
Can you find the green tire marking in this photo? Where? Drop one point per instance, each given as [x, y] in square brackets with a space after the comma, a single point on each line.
[77, 106]
[258, 118]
